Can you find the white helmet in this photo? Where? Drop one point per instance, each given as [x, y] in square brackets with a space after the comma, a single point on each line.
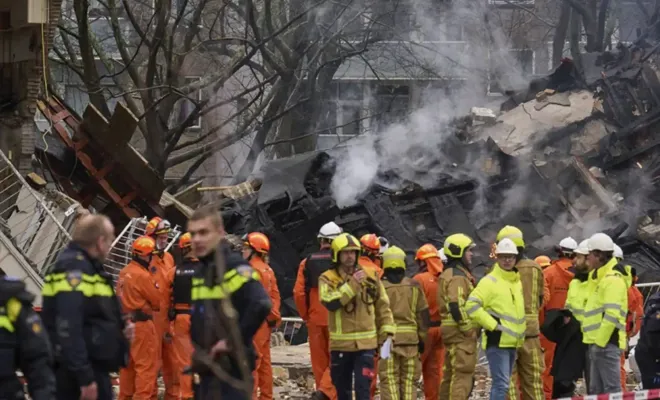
[506, 246]
[601, 242]
[568, 244]
[384, 244]
[441, 254]
[618, 252]
[329, 231]
[583, 247]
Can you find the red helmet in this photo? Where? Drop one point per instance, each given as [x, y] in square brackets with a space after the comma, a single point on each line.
[143, 246]
[157, 226]
[426, 251]
[370, 242]
[258, 241]
[184, 241]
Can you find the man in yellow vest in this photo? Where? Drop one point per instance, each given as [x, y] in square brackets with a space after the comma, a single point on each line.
[604, 323]
[498, 306]
[400, 373]
[359, 319]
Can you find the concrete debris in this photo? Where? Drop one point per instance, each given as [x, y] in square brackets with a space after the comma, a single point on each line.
[483, 115]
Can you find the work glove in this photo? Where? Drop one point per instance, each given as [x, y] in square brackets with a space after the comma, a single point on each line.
[386, 349]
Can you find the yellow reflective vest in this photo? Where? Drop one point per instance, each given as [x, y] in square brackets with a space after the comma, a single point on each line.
[359, 315]
[606, 307]
[497, 304]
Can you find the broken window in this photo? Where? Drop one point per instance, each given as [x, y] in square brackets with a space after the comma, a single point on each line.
[187, 105]
[392, 104]
[509, 69]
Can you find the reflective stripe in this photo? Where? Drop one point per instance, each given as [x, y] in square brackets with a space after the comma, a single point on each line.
[89, 285]
[508, 331]
[347, 290]
[9, 314]
[613, 320]
[508, 318]
[385, 329]
[232, 282]
[353, 336]
[406, 329]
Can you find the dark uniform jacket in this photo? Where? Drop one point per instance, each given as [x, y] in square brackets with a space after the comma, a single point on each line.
[250, 300]
[570, 354]
[182, 287]
[24, 345]
[82, 316]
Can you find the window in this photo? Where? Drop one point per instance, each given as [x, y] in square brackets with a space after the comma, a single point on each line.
[184, 7]
[342, 115]
[441, 25]
[392, 104]
[187, 105]
[393, 19]
[508, 69]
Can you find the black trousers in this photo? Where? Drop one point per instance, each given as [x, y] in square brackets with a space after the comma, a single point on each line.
[345, 366]
[68, 389]
[649, 367]
[209, 387]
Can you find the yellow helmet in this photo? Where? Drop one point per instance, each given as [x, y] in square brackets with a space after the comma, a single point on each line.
[394, 257]
[513, 233]
[456, 244]
[344, 242]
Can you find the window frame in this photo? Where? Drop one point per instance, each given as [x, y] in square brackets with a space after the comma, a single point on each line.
[200, 96]
[362, 103]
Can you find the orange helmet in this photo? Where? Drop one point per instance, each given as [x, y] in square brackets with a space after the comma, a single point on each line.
[370, 242]
[184, 240]
[157, 226]
[543, 261]
[425, 252]
[143, 246]
[258, 241]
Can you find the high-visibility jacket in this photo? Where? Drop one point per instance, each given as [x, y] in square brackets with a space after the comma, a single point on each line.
[456, 283]
[578, 292]
[368, 263]
[607, 306]
[497, 305]
[409, 310]
[531, 276]
[359, 313]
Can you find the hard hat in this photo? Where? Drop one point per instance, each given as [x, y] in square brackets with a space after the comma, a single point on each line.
[384, 244]
[425, 252]
[543, 261]
[568, 244]
[329, 231]
[394, 257]
[456, 244]
[370, 242]
[143, 246]
[618, 252]
[344, 242]
[513, 233]
[184, 240]
[257, 241]
[600, 242]
[441, 254]
[157, 226]
[506, 246]
[583, 247]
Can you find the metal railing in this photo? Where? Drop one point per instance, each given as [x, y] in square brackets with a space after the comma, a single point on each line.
[36, 222]
[648, 290]
[120, 253]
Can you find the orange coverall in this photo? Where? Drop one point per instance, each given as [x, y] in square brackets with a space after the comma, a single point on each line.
[138, 291]
[433, 357]
[368, 263]
[633, 323]
[557, 277]
[316, 318]
[263, 371]
[160, 267]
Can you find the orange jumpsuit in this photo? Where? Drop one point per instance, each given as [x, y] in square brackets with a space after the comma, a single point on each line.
[633, 323]
[263, 371]
[140, 297]
[557, 277]
[160, 267]
[306, 296]
[368, 263]
[180, 281]
[433, 357]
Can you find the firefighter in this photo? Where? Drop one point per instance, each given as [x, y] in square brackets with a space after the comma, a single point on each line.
[433, 354]
[400, 373]
[497, 305]
[543, 261]
[635, 311]
[240, 283]
[359, 319]
[24, 345]
[82, 314]
[255, 250]
[459, 335]
[161, 265]
[529, 364]
[140, 297]
[557, 277]
[179, 313]
[603, 326]
[315, 315]
[370, 257]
